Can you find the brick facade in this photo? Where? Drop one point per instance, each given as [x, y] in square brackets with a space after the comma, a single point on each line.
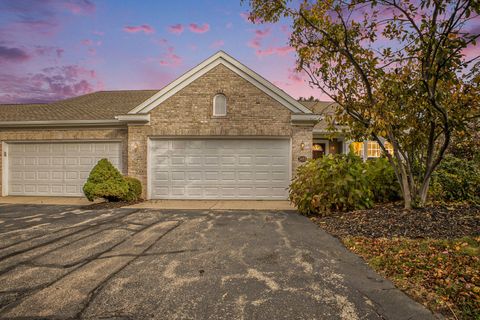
[250, 112]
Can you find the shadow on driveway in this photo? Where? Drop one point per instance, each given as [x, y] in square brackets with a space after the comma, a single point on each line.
[66, 262]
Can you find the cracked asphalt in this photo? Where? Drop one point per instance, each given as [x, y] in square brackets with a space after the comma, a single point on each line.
[61, 262]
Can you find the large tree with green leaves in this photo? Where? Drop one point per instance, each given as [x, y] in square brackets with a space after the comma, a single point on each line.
[397, 70]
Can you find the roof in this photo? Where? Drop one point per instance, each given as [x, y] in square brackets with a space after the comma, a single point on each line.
[234, 65]
[101, 105]
[320, 107]
[324, 108]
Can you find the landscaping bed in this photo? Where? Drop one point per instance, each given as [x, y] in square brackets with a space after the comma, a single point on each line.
[432, 254]
[391, 220]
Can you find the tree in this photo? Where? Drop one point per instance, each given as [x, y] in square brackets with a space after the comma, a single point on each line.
[397, 70]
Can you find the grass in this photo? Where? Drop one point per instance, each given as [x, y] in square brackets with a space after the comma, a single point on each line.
[444, 275]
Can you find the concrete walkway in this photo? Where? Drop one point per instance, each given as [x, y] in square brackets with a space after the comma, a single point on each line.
[70, 201]
[215, 205]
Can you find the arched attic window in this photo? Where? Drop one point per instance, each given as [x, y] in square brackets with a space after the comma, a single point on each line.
[219, 105]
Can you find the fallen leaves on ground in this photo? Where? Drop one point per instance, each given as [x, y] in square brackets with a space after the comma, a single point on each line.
[442, 274]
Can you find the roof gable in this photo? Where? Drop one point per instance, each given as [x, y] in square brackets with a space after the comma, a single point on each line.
[235, 66]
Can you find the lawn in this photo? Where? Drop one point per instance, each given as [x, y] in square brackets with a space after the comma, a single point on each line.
[432, 254]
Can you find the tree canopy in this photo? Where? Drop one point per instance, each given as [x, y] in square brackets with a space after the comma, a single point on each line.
[401, 71]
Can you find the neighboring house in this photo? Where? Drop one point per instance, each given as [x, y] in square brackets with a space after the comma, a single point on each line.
[220, 131]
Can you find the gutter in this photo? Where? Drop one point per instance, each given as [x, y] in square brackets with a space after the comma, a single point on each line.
[305, 119]
[59, 123]
[134, 118]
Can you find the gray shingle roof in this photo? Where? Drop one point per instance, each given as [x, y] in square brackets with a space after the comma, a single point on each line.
[101, 105]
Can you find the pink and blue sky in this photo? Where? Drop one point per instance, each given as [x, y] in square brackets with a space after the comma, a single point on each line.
[54, 49]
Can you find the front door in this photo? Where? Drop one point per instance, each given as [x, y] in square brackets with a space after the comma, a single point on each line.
[318, 150]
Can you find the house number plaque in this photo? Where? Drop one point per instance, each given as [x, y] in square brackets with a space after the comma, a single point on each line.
[302, 158]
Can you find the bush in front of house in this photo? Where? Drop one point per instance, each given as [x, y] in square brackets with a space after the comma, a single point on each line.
[106, 182]
[456, 180]
[331, 183]
[134, 189]
[382, 180]
[343, 183]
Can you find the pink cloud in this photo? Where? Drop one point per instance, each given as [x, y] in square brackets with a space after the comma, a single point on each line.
[281, 51]
[13, 55]
[254, 43]
[263, 33]
[87, 42]
[217, 44]
[47, 50]
[170, 59]
[294, 76]
[245, 16]
[176, 29]
[199, 28]
[145, 28]
[98, 33]
[80, 7]
[471, 51]
[49, 84]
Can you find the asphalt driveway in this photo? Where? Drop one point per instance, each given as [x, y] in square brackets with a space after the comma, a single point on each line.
[65, 262]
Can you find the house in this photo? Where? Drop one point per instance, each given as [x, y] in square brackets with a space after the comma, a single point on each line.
[220, 131]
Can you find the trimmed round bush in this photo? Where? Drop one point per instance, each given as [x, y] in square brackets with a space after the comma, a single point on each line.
[134, 189]
[106, 182]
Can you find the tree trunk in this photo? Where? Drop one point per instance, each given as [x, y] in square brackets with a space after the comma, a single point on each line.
[407, 195]
[424, 191]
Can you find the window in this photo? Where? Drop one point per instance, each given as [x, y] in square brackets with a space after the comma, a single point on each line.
[373, 150]
[357, 148]
[219, 105]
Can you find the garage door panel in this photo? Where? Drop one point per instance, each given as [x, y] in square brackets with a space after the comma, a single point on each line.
[219, 168]
[56, 169]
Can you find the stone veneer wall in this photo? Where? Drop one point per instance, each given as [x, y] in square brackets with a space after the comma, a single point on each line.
[250, 112]
[54, 134]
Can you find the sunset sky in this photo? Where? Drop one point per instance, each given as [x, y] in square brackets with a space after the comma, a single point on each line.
[52, 49]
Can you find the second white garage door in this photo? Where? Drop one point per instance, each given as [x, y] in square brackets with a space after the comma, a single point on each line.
[219, 169]
[56, 168]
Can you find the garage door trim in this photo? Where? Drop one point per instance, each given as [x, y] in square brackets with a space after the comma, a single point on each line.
[154, 138]
[6, 156]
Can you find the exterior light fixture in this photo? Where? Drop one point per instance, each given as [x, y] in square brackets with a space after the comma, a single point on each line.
[302, 145]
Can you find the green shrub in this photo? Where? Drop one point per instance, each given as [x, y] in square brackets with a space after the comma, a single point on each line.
[105, 181]
[456, 179]
[382, 180]
[134, 189]
[331, 183]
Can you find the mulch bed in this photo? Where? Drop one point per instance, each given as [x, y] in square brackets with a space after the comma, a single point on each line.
[391, 220]
[109, 205]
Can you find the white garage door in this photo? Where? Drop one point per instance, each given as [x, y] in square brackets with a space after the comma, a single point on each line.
[219, 169]
[56, 169]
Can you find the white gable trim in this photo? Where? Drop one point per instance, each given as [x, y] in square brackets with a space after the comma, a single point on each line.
[240, 69]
